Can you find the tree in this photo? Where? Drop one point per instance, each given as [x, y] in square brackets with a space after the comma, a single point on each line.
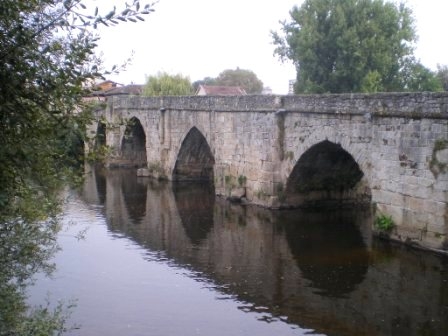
[246, 79]
[205, 81]
[164, 84]
[47, 57]
[349, 45]
[417, 77]
[442, 74]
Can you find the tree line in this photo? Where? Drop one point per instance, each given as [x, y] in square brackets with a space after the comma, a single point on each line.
[336, 46]
[165, 84]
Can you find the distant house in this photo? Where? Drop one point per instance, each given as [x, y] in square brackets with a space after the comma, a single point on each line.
[109, 88]
[216, 90]
[107, 85]
[127, 90]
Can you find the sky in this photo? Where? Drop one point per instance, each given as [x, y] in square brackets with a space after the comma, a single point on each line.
[201, 38]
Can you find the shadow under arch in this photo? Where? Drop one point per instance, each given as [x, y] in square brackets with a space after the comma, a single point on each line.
[328, 248]
[100, 139]
[133, 144]
[325, 174]
[195, 160]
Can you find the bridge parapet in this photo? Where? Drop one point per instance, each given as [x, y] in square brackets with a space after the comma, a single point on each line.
[416, 105]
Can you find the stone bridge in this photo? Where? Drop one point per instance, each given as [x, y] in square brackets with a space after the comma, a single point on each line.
[389, 149]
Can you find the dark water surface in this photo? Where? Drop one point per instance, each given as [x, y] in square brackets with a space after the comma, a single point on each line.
[164, 259]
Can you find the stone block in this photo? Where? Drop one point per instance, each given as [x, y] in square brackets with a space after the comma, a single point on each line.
[437, 225]
[416, 204]
[273, 202]
[405, 233]
[143, 172]
[433, 240]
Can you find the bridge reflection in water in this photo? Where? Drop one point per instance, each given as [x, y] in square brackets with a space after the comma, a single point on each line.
[319, 270]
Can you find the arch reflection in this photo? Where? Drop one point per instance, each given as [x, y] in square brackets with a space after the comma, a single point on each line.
[195, 203]
[100, 181]
[328, 248]
[312, 270]
[134, 192]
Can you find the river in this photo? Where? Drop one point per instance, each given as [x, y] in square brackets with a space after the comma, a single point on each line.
[142, 257]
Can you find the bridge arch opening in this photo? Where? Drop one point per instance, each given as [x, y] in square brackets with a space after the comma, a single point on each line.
[195, 160]
[100, 139]
[133, 144]
[326, 174]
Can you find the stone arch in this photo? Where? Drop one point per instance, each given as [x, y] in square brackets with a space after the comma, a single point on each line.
[100, 138]
[195, 160]
[133, 144]
[326, 173]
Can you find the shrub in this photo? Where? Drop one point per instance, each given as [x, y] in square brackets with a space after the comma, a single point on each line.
[384, 223]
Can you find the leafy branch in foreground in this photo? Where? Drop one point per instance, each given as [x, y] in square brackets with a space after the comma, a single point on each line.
[47, 61]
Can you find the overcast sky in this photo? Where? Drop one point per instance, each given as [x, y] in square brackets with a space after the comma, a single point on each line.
[201, 38]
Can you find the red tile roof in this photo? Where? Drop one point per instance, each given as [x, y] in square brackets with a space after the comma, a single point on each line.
[132, 89]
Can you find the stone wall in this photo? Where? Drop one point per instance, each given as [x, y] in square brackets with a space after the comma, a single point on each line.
[399, 141]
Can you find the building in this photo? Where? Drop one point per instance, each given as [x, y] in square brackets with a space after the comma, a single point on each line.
[109, 88]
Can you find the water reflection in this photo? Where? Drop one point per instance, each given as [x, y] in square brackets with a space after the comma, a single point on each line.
[134, 193]
[319, 271]
[195, 203]
[328, 248]
[100, 181]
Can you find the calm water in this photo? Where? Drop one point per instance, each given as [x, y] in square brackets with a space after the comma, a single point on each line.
[162, 259]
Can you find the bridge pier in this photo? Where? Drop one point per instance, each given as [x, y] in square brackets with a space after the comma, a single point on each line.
[390, 150]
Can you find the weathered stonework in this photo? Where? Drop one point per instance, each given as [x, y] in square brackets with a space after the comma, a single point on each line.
[396, 140]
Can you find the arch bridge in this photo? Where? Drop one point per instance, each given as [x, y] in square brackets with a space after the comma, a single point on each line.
[389, 149]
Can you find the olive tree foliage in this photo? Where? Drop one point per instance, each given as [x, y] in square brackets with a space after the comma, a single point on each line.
[243, 78]
[47, 58]
[246, 79]
[418, 78]
[351, 46]
[164, 84]
[442, 74]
